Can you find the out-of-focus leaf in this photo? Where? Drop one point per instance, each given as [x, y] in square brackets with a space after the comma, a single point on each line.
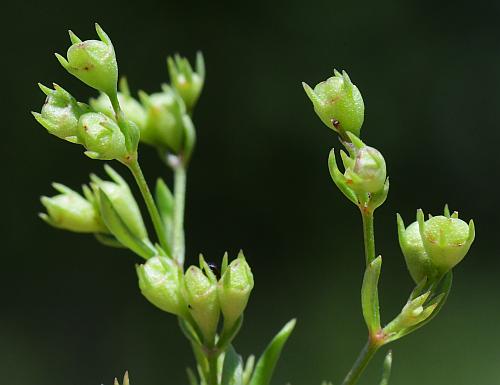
[232, 370]
[267, 361]
[386, 374]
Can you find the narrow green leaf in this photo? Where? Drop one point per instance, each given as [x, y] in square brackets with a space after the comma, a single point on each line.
[386, 374]
[369, 295]
[164, 198]
[165, 203]
[121, 231]
[267, 361]
[232, 370]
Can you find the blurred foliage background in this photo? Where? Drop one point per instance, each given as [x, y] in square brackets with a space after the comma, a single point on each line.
[71, 312]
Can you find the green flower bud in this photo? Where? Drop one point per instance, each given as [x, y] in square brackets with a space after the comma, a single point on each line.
[203, 304]
[187, 82]
[60, 113]
[132, 109]
[433, 247]
[93, 62]
[102, 137]
[122, 200]
[338, 103]
[70, 211]
[160, 282]
[234, 289]
[167, 123]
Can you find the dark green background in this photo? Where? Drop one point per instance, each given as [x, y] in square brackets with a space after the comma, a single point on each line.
[429, 73]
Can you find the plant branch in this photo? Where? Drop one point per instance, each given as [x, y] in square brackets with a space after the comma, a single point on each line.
[178, 241]
[368, 234]
[148, 199]
[212, 369]
[361, 363]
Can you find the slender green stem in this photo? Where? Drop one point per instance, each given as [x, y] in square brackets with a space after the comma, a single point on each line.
[212, 370]
[361, 363]
[115, 104]
[150, 203]
[368, 235]
[178, 242]
[370, 348]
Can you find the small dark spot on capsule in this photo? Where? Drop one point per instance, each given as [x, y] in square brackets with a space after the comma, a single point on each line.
[335, 123]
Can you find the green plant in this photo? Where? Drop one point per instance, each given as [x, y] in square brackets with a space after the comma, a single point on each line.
[431, 248]
[209, 305]
[111, 127]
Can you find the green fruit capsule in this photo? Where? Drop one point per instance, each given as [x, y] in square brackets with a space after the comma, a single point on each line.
[446, 239]
[160, 283]
[432, 248]
[71, 211]
[167, 122]
[338, 103]
[60, 113]
[187, 82]
[102, 137]
[234, 289]
[202, 301]
[368, 171]
[93, 62]
[417, 260]
[365, 169]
